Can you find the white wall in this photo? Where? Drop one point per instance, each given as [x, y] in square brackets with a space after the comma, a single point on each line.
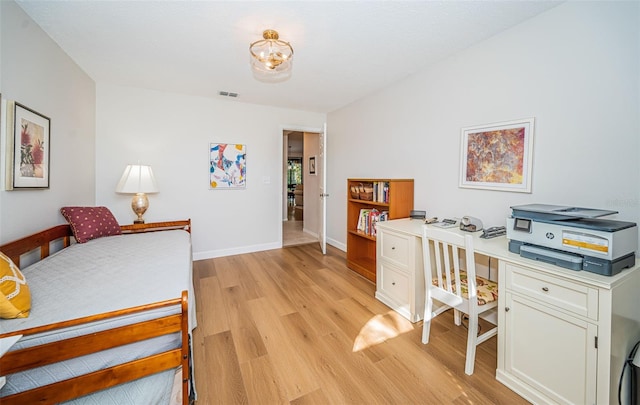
[172, 133]
[574, 68]
[38, 74]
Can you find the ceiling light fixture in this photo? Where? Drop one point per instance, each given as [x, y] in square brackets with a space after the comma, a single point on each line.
[271, 58]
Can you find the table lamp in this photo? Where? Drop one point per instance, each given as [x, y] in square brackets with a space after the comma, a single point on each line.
[138, 180]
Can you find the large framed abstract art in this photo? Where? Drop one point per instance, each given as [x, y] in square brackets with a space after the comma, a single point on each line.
[497, 156]
[227, 166]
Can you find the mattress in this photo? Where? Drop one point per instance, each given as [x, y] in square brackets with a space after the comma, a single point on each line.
[103, 275]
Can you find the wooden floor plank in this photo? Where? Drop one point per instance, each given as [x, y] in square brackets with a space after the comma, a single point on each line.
[309, 304]
[229, 270]
[214, 317]
[296, 377]
[223, 377]
[379, 388]
[261, 269]
[261, 382]
[204, 268]
[247, 340]
[316, 397]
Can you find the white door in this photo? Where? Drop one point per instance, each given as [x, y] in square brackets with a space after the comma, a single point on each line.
[322, 172]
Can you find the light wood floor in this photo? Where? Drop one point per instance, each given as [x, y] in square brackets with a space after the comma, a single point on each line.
[289, 326]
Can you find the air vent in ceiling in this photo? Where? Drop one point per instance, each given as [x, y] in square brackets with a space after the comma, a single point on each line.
[228, 94]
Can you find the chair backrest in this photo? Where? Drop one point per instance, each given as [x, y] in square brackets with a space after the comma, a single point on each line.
[445, 262]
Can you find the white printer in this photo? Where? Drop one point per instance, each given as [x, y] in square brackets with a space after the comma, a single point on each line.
[572, 237]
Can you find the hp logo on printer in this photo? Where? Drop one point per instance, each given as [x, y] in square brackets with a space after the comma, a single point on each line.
[550, 235]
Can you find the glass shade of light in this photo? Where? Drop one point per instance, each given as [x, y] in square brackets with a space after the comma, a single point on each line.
[271, 58]
[138, 180]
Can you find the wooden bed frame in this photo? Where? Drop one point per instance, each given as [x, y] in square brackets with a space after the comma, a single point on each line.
[28, 358]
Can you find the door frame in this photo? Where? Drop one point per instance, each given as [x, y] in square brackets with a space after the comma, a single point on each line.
[283, 128]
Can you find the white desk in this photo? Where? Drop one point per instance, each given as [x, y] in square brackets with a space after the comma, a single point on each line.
[550, 319]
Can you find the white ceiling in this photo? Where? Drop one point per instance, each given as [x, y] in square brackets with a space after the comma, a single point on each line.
[343, 50]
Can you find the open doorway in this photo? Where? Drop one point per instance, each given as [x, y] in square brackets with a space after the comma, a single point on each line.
[300, 182]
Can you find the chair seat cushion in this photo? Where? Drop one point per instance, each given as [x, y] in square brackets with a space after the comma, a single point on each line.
[487, 289]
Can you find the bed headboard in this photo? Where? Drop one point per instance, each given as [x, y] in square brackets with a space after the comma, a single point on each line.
[42, 240]
[157, 226]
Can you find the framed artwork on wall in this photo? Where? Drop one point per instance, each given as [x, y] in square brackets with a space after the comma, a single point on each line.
[497, 156]
[29, 139]
[312, 165]
[227, 166]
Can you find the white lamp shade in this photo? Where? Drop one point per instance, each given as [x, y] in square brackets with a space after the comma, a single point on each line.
[137, 179]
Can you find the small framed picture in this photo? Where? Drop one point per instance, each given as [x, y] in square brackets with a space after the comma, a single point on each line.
[30, 148]
[312, 165]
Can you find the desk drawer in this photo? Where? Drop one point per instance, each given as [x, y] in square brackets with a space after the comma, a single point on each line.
[564, 294]
[395, 284]
[395, 248]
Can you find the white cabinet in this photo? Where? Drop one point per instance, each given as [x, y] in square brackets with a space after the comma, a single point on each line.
[399, 272]
[550, 351]
[556, 333]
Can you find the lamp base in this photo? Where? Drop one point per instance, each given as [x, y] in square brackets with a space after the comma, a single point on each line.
[139, 205]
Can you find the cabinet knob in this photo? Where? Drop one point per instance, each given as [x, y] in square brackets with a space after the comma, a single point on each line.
[506, 309]
[393, 283]
[393, 248]
[545, 289]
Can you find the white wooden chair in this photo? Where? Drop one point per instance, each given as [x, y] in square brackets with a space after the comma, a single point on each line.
[454, 288]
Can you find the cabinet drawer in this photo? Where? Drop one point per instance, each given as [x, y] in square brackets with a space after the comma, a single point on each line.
[395, 284]
[564, 294]
[395, 248]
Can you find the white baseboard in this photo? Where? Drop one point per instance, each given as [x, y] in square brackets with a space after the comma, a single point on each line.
[212, 254]
[337, 245]
[308, 232]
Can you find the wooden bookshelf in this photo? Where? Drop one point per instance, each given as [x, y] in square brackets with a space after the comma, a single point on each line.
[397, 200]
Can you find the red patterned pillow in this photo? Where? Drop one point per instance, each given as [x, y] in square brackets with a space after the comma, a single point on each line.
[90, 222]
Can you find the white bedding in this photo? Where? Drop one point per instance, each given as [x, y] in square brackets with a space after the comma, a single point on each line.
[103, 275]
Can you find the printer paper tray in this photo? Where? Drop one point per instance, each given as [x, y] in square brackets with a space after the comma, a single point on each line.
[562, 259]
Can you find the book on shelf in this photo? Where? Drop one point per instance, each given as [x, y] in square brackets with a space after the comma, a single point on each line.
[381, 191]
[373, 231]
[367, 221]
[364, 212]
